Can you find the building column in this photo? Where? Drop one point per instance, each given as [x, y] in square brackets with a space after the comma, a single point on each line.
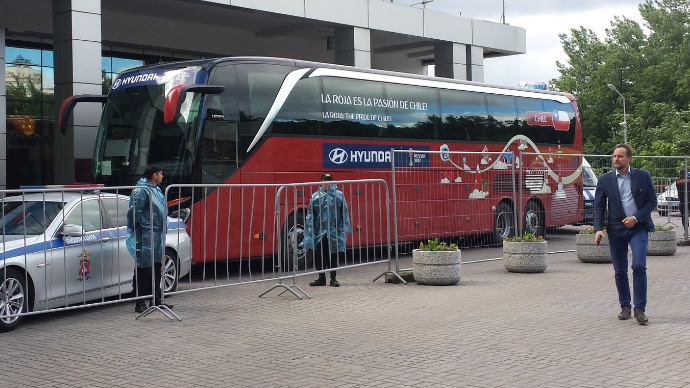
[475, 60]
[3, 114]
[451, 60]
[77, 60]
[459, 61]
[353, 47]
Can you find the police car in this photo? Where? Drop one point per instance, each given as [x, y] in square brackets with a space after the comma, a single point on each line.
[59, 248]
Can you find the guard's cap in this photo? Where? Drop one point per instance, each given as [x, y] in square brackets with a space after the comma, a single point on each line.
[326, 177]
[150, 170]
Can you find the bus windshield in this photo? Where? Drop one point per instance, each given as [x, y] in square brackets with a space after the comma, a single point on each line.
[133, 133]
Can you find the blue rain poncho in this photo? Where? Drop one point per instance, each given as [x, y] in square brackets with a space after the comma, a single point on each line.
[139, 215]
[327, 217]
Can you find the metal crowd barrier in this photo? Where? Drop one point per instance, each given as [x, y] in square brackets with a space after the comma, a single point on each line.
[245, 233]
[64, 249]
[453, 196]
[478, 198]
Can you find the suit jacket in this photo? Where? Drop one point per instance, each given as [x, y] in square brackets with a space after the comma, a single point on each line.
[643, 194]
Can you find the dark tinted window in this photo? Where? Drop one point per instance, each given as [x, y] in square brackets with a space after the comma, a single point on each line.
[346, 107]
[259, 86]
[502, 124]
[415, 112]
[465, 115]
[223, 106]
[301, 114]
[353, 108]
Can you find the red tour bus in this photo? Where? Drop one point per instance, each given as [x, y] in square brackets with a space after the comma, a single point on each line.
[253, 120]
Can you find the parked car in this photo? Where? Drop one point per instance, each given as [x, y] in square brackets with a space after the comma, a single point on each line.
[62, 248]
[667, 202]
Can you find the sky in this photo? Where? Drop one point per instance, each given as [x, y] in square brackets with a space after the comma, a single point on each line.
[543, 20]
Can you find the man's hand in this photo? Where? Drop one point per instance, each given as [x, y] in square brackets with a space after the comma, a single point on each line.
[598, 235]
[629, 221]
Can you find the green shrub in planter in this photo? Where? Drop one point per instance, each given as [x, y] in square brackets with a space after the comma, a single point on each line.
[436, 263]
[526, 253]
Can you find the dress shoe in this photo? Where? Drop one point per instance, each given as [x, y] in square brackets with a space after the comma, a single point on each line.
[625, 313]
[140, 307]
[321, 281]
[334, 283]
[641, 318]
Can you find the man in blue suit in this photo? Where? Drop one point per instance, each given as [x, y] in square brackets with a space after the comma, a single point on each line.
[631, 199]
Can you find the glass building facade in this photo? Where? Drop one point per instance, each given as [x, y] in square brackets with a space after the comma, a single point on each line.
[31, 127]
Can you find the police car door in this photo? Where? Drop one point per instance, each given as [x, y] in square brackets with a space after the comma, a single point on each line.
[122, 263]
[86, 248]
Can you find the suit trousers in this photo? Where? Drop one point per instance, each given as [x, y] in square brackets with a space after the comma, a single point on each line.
[638, 238]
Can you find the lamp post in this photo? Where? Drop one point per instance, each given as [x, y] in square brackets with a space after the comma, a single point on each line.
[624, 124]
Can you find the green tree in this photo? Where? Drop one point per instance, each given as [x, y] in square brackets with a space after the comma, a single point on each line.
[652, 71]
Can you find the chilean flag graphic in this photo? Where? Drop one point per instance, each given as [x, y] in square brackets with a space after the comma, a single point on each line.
[561, 121]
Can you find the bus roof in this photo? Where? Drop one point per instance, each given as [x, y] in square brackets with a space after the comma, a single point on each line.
[212, 62]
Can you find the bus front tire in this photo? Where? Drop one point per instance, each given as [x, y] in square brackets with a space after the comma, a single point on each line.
[534, 219]
[293, 234]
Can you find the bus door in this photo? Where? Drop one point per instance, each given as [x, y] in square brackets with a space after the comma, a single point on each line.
[219, 151]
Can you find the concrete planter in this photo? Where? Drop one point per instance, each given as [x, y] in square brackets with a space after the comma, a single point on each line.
[436, 268]
[528, 257]
[662, 243]
[589, 252]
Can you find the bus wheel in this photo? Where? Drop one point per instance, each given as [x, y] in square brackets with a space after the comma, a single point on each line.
[504, 222]
[534, 219]
[294, 234]
[13, 298]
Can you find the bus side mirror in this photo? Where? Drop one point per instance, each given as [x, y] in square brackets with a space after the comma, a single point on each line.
[176, 96]
[69, 104]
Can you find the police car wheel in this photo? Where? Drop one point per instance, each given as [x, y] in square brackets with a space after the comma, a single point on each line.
[13, 298]
[170, 271]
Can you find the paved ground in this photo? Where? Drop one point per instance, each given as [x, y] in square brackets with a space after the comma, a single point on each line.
[494, 329]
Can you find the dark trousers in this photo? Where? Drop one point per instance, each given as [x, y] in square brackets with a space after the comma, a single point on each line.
[638, 239]
[142, 280]
[324, 259]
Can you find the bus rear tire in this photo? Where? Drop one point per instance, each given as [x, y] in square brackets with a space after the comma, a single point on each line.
[504, 222]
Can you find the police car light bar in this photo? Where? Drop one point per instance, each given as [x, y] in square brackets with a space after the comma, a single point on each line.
[73, 186]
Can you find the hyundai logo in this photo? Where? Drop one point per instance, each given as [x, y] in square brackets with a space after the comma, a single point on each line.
[338, 155]
[116, 84]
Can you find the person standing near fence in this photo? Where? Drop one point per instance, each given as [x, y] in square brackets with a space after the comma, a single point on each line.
[144, 231]
[631, 199]
[326, 227]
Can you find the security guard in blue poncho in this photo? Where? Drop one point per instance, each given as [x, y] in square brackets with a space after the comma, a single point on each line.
[326, 227]
[145, 231]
